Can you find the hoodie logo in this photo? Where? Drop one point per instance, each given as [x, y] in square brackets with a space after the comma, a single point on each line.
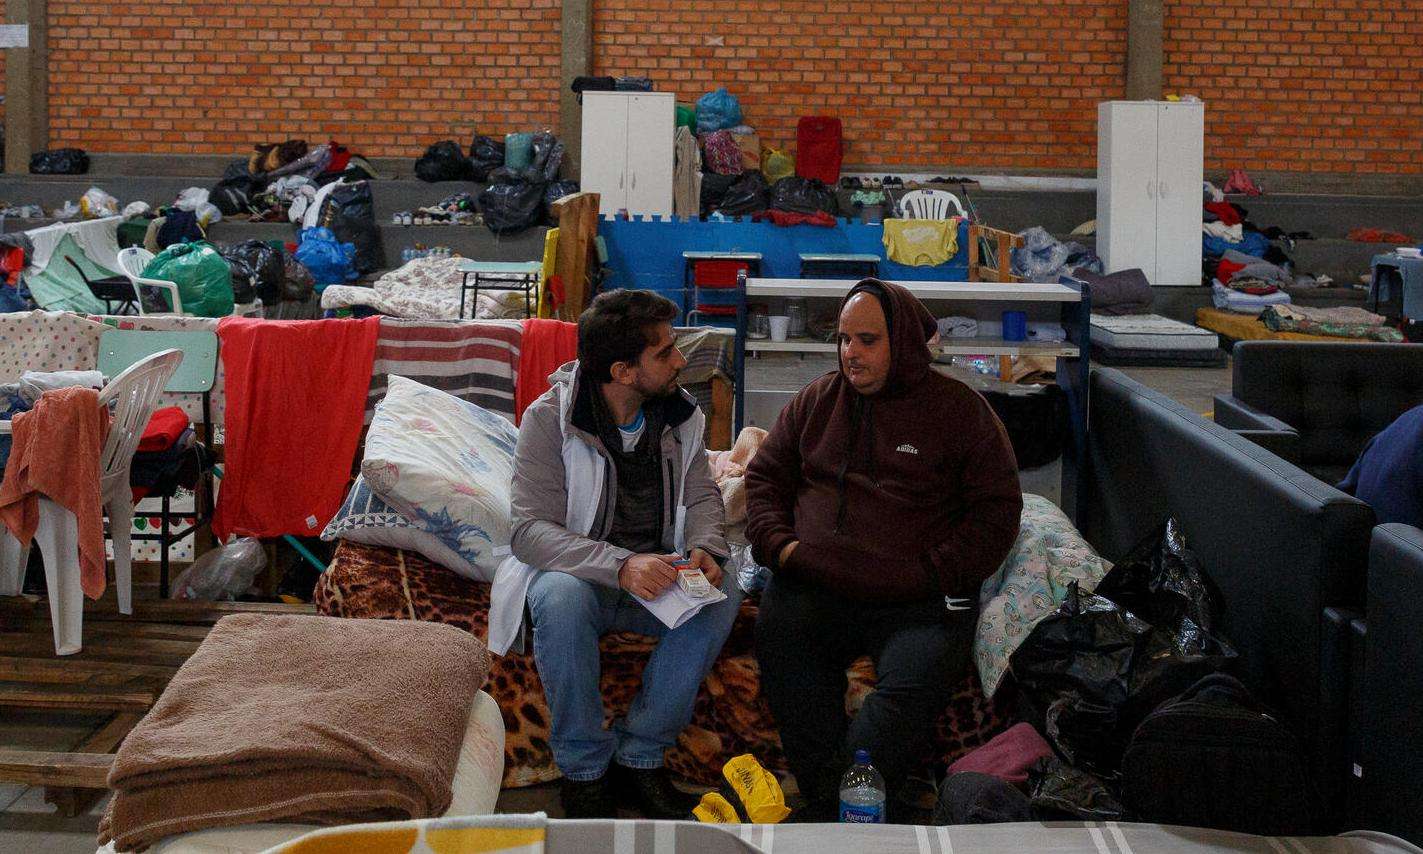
[907, 449]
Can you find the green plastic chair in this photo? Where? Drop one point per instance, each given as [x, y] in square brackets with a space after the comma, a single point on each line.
[119, 348]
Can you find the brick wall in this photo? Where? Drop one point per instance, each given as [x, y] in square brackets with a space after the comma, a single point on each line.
[986, 84]
[1302, 85]
[989, 84]
[386, 76]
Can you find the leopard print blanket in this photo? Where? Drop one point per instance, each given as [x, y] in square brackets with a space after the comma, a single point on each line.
[731, 717]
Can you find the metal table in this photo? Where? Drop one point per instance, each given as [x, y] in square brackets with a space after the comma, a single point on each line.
[500, 276]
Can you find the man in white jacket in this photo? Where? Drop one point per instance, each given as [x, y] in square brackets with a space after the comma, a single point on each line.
[611, 485]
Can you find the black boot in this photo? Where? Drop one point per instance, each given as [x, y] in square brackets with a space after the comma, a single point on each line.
[651, 791]
[588, 799]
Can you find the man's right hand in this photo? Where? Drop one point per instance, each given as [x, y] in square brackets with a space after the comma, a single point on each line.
[646, 576]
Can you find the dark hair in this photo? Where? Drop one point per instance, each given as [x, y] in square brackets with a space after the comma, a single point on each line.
[617, 327]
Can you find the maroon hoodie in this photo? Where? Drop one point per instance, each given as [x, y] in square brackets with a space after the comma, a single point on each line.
[906, 494]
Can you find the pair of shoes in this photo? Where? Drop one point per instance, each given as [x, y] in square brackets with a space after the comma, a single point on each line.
[892, 181]
[649, 791]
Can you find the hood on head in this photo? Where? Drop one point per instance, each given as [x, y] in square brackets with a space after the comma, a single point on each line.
[910, 328]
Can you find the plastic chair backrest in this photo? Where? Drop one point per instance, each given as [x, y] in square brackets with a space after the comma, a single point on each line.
[134, 395]
[120, 348]
[929, 204]
[133, 260]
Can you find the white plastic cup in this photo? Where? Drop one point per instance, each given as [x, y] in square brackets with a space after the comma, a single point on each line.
[780, 327]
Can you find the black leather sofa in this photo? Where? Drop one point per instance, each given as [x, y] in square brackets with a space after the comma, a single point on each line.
[1317, 403]
[1281, 545]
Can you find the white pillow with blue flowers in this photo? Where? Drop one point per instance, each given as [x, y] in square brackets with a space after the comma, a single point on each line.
[447, 467]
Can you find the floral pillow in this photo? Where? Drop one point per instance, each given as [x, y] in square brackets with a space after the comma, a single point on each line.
[365, 518]
[446, 466]
[1048, 555]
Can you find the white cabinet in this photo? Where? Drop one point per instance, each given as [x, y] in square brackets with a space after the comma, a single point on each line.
[1149, 175]
[628, 150]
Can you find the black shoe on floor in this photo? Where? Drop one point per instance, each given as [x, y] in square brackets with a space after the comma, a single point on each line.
[650, 791]
[588, 799]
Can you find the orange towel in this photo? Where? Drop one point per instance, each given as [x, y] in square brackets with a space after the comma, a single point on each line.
[544, 348]
[56, 453]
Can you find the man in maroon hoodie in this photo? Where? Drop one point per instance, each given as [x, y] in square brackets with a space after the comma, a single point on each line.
[882, 498]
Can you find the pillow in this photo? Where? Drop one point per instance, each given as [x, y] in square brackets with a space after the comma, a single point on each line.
[365, 518]
[447, 466]
[1032, 582]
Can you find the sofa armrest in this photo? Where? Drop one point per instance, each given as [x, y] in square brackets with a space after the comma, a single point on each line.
[1282, 443]
[1235, 414]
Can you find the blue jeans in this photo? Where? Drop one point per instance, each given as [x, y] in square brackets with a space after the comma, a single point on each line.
[569, 616]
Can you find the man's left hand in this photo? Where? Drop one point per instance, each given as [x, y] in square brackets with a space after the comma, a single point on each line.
[708, 565]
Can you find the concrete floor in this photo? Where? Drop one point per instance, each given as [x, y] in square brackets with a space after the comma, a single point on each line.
[29, 825]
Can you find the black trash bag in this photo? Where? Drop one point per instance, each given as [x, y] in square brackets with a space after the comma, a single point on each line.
[714, 190]
[1035, 418]
[803, 195]
[633, 84]
[444, 161]
[547, 157]
[485, 155]
[257, 270]
[350, 214]
[552, 193]
[586, 83]
[1058, 791]
[512, 207]
[1087, 734]
[59, 161]
[1161, 581]
[297, 282]
[748, 195]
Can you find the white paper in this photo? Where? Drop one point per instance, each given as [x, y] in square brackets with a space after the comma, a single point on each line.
[674, 607]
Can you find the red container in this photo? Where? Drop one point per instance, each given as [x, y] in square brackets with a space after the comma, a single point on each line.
[717, 274]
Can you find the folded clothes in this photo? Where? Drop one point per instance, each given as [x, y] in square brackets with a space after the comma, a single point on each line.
[957, 327]
[1243, 303]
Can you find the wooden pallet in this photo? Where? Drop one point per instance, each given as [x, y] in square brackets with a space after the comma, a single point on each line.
[118, 675]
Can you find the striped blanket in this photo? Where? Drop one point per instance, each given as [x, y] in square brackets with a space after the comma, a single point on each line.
[476, 361]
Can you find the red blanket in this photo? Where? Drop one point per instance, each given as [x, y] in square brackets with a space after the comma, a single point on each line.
[296, 391]
[544, 348]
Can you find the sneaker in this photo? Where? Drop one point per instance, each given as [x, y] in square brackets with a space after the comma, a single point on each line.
[650, 791]
[588, 799]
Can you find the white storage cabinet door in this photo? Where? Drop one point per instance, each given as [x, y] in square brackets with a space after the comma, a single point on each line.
[1180, 147]
[604, 163]
[650, 133]
[1126, 186]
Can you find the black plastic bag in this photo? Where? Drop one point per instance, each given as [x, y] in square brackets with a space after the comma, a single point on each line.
[511, 207]
[1059, 791]
[485, 155]
[803, 195]
[552, 193]
[546, 158]
[444, 161]
[748, 195]
[350, 214]
[633, 84]
[714, 189]
[59, 161]
[257, 270]
[297, 282]
[1161, 581]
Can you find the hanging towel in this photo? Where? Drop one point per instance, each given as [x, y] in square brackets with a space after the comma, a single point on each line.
[546, 345]
[56, 453]
[296, 394]
[921, 242]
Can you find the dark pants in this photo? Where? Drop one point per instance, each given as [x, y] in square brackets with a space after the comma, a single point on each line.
[805, 639]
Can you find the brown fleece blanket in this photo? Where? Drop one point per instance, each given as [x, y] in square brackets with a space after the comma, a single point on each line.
[301, 719]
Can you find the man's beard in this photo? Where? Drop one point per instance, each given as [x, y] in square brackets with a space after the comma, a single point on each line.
[662, 391]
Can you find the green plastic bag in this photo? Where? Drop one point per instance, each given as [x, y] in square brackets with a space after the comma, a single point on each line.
[204, 279]
[686, 117]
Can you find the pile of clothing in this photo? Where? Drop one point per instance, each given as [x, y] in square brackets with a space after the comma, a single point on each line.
[254, 186]
[1226, 228]
[169, 456]
[1247, 284]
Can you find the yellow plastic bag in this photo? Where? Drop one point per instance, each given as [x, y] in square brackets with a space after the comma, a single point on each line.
[776, 164]
[750, 795]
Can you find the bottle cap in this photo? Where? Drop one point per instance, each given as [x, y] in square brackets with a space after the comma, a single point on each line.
[862, 757]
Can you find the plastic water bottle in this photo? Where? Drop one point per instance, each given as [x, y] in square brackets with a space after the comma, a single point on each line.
[862, 792]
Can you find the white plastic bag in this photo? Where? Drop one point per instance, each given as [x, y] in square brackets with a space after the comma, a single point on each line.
[223, 573]
[96, 203]
[133, 209]
[208, 214]
[191, 199]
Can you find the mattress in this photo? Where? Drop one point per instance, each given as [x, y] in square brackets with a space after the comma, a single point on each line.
[1149, 332]
[1241, 327]
[1118, 357]
[475, 790]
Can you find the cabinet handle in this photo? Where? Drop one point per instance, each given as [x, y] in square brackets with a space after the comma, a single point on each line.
[1150, 189]
[621, 175]
[634, 180]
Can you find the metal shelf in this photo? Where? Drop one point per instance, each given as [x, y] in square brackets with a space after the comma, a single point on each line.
[955, 346]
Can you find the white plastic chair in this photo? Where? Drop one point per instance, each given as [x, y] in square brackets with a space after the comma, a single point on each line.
[132, 396]
[929, 204]
[132, 262]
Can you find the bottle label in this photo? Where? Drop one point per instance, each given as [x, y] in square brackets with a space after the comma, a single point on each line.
[861, 813]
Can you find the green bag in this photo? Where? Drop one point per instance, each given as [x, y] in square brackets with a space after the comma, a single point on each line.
[686, 117]
[203, 277]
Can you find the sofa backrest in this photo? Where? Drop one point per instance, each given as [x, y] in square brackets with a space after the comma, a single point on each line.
[1280, 544]
[1391, 739]
[1336, 396]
